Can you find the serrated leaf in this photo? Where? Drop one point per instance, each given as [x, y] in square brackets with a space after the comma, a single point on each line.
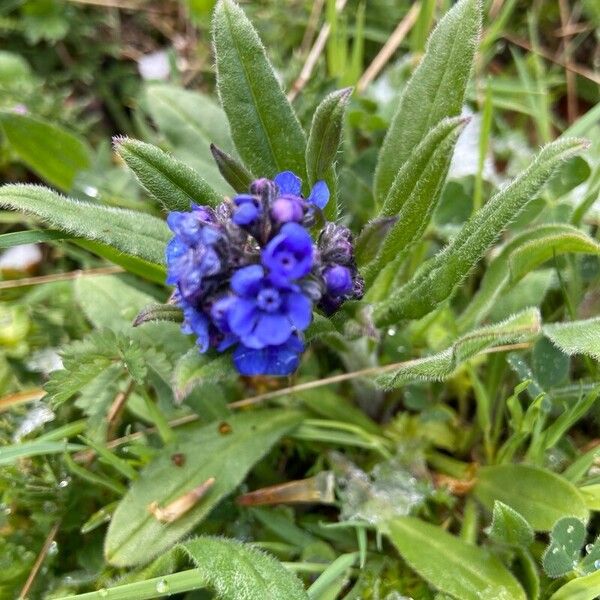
[540, 496]
[451, 565]
[576, 337]
[131, 232]
[435, 91]
[53, 153]
[191, 122]
[135, 536]
[439, 366]
[234, 173]
[562, 554]
[510, 527]
[173, 183]
[438, 278]
[414, 195]
[194, 369]
[523, 253]
[266, 132]
[323, 143]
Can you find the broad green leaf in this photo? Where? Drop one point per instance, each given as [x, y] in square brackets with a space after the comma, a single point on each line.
[451, 565]
[509, 527]
[434, 92]
[131, 232]
[110, 301]
[191, 122]
[523, 253]
[233, 172]
[173, 183]
[438, 278]
[30, 236]
[540, 496]
[53, 153]
[563, 552]
[440, 366]
[576, 337]
[582, 588]
[415, 194]
[194, 370]
[266, 132]
[227, 454]
[231, 569]
[323, 143]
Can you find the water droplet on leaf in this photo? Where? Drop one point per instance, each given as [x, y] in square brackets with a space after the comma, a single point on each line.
[162, 587]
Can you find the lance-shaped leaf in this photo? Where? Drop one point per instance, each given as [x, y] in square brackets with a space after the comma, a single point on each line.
[158, 312]
[266, 132]
[131, 232]
[415, 193]
[515, 329]
[55, 154]
[323, 143]
[233, 172]
[450, 564]
[434, 92]
[173, 183]
[438, 278]
[225, 452]
[576, 337]
[523, 253]
[540, 496]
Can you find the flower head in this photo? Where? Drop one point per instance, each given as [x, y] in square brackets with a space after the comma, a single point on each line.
[271, 360]
[289, 255]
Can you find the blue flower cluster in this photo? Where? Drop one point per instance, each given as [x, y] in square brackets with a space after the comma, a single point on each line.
[247, 274]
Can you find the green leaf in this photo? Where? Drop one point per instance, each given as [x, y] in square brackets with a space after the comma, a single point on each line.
[194, 370]
[582, 588]
[523, 253]
[158, 312]
[439, 366]
[540, 496]
[509, 527]
[47, 149]
[135, 536]
[449, 564]
[563, 552]
[231, 569]
[131, 232]
[173, 183]
[15, 452]
[414, 194]
[191, 122]
[576, 337]
[435, 91]
[438, 278]
[234, 173]
[266, 132]
[30, 236]
[323, 143]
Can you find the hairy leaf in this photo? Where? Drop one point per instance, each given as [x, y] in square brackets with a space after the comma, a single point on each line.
[581, 588]
[225, 453]
[523, 253]
[576, 337]
[55, 154]
[134, 233]
[450, 564]
[266, 132]
[540, 496]
[509, 527]
[234, 173]
[439, 366]
[173, 183]
[566, 541]
[438, 278]
[435, 91]
[158, 312]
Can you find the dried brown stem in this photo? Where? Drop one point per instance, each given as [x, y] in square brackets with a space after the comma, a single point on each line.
[38, 562]
[29, 281]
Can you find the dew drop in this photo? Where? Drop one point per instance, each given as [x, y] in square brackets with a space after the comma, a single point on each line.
[597, 564]
[570, 529]
[63, 483]
[554, 550]
[53, 549]
[589, 548]
[391, 331]
[102, 593]
[162, 587]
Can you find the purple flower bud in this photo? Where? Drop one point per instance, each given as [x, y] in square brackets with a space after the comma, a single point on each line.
[288, 209]
[247, 211]
[338, 280]
[335, 244]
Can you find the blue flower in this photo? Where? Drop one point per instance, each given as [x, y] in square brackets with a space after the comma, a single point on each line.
[276, 361]
[291, 185]
[338, 280]
[266, 312]
[196, 322]
[289, 255]
[248, 210]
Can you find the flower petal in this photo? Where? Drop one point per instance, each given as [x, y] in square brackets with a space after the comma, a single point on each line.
[246, 280]
[319, 195]
[274, 360]
[288, 183]
[299, 310]
[242, 317]
[273, 329]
